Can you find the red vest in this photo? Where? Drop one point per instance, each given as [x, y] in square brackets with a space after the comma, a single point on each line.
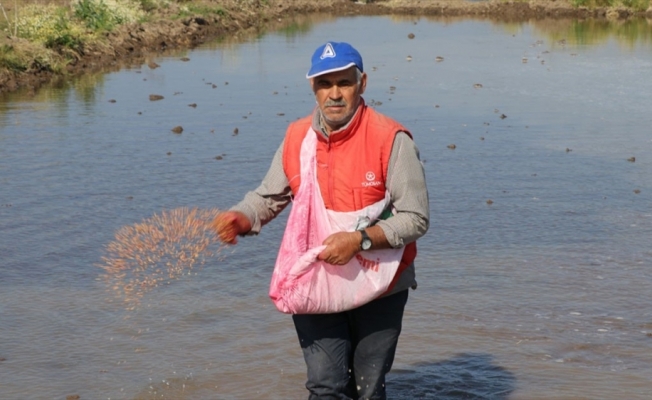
[351, 164]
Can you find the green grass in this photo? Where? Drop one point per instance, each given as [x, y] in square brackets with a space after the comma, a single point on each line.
[200, 9]
[11, 60]
[636, 5]
[27, 56]
[95, 14]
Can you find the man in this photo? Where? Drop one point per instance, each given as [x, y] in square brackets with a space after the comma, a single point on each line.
[360, 156]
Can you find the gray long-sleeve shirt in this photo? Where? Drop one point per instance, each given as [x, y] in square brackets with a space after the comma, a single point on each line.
[405, 182]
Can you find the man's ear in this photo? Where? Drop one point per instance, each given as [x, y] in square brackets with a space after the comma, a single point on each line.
[363, 82]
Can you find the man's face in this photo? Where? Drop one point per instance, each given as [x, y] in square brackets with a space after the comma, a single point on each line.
[338, 96]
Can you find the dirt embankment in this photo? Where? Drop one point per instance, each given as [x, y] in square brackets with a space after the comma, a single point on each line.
[131, 44]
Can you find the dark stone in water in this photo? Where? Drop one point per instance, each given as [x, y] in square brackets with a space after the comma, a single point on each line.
[236, 131]
[185, 59]
[452, 146]
[155, 97]
[631, 159]
[411, 36]
[193, 105]
[112, 101]
[177, 129]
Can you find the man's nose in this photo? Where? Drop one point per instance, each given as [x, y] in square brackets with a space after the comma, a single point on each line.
[335, 92]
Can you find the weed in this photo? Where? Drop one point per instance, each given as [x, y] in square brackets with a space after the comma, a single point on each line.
[101, 15]
[68, 36]
[9, 59]
[636, 5]
[191, 9]
[95, 14]
[23, 56]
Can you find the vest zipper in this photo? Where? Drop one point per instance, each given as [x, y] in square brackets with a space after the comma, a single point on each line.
[331, 176]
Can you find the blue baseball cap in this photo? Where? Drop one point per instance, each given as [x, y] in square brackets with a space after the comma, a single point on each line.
[332, 57]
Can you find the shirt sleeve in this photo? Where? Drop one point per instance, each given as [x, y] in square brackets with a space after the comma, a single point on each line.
[270, 198]
[406, 183]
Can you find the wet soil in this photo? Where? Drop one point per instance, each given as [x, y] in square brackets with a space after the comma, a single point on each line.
[133, 44]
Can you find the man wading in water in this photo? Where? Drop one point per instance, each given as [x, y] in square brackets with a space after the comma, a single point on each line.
[354, 160]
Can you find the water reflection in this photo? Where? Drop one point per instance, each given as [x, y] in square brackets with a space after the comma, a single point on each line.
[630, 33]
[466, 376]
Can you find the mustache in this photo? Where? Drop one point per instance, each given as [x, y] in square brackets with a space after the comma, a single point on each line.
[338, 103]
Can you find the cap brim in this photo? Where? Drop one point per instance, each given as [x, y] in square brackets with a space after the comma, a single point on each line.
[316, 72]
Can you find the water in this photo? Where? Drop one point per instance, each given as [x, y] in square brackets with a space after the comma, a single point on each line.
[542, 294]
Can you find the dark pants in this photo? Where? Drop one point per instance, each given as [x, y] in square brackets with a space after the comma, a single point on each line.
[349, 353]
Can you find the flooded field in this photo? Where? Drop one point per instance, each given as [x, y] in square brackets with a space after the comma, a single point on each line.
[534, 279]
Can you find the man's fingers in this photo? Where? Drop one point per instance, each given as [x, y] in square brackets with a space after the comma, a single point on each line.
[224, 225]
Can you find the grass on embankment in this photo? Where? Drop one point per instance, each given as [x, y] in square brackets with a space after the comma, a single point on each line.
[635, 5]
[48, 36]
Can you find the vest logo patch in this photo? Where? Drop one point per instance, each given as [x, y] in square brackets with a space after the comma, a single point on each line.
[370, 176]
[328, 52]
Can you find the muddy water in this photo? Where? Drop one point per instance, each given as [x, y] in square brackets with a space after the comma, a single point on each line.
[542, 294]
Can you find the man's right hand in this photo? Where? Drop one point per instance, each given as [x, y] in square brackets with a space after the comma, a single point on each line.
[230, 224]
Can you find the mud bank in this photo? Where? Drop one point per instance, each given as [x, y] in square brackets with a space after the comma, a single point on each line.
[132, 44]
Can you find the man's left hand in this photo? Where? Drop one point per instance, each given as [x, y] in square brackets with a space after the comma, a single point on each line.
[340, 247]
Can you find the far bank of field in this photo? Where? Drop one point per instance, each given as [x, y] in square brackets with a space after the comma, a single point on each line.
[45, 40]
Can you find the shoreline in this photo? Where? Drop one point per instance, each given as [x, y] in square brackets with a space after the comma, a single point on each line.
[131, 44]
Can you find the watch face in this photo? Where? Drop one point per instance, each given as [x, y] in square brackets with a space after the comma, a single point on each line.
[365, 243]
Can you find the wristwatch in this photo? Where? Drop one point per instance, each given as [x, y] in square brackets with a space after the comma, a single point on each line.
[365, 242]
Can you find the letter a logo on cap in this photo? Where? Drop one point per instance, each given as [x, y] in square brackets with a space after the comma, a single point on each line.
[328, 52]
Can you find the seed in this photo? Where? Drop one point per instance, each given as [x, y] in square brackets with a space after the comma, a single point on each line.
[159, 250]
